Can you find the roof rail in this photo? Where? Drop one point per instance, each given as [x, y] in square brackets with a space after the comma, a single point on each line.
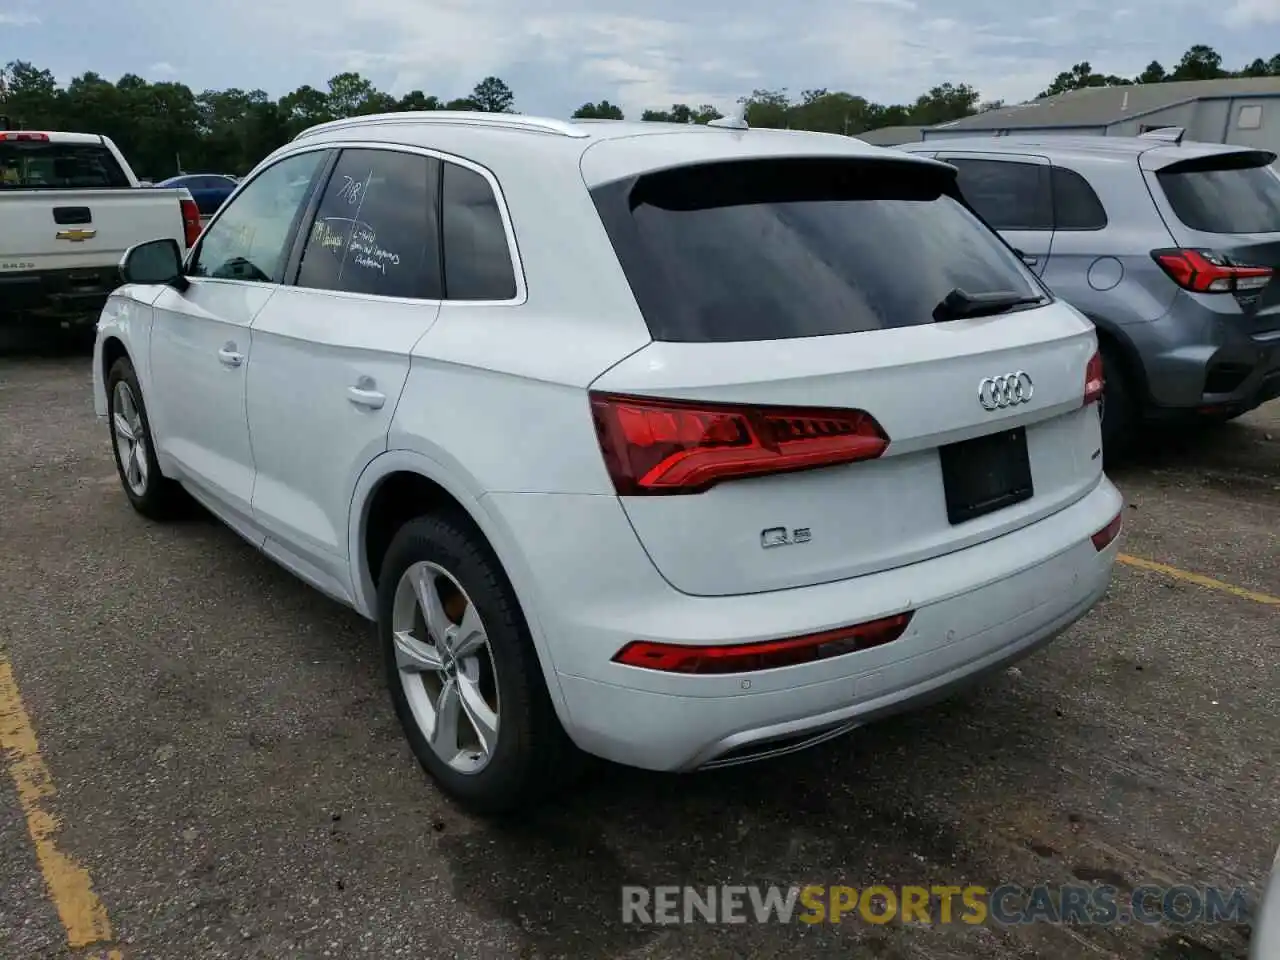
[1167, 134]
[507, 121]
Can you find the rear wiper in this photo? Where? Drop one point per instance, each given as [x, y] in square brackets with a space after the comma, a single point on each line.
[958, 304]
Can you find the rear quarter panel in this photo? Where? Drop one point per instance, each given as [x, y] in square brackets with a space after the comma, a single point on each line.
[1108, 274]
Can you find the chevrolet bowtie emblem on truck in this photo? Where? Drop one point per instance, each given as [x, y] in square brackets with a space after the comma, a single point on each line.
[76, 236]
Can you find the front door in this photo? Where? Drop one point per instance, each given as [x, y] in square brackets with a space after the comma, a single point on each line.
[332, 352]
[1014, 194]
[201, 338]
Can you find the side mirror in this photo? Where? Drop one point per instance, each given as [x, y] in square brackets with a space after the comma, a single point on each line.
[156, 261]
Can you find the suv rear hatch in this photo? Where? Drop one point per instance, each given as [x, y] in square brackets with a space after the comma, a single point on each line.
[808, 411]
[1222, 209]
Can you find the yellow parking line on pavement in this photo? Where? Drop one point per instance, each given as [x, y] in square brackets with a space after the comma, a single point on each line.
[82, 914]
[1198, 579]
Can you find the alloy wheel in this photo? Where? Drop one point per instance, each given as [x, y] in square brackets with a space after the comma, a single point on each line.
[446, 666]
[130, 439]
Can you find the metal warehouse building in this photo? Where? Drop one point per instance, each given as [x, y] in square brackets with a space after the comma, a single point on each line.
[1244, 111]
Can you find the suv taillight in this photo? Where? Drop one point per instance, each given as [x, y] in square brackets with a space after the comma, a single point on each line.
[190, 218]
[1094, 380]
[657, 446]
[1204, 271]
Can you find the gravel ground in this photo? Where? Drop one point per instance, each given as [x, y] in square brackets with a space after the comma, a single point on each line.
[229, 771]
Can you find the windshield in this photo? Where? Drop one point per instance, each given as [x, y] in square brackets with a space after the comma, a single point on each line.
[779, 248]
[1238, 194]
[41, 165]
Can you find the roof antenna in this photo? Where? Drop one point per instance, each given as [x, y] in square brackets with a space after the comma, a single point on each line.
[737, 121]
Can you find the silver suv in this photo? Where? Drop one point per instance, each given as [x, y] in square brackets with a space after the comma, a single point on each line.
[1168, 246]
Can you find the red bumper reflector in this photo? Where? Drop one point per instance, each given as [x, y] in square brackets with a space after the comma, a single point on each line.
[1094, 380]
[764, 655]
[1103, 538]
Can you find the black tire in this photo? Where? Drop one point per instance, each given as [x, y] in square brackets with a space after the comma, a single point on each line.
[1119, 407]
[533, 756]
[158, 497]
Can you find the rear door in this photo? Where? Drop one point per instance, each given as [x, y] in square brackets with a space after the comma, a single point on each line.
[1227, 203]
[1014, 194]
[331, 351]
[794, 310]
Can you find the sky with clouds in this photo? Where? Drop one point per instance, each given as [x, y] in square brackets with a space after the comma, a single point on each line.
[556, 54]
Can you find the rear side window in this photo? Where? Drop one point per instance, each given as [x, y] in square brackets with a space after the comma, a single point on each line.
[1009, 194]
[774, 249]
[1235, 194]
[477, 258]
[376, 230]
[42, 165]
[1075, 205]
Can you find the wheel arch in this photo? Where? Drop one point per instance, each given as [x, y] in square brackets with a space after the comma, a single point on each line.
[400, 484]
[113, 349]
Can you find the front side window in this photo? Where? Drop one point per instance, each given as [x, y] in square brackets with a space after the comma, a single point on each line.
[781, 248]
[377, 228]
[1010, 195]
[248, 241]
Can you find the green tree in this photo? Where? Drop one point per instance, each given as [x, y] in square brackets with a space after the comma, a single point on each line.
[683, 113]
[604, 110]
[1081, 76]
[493, 96]
[417, 100]
[1201, 62]
[1155, 73]
[29, 97]
[947, 101]
[769, 109]
[303, 108]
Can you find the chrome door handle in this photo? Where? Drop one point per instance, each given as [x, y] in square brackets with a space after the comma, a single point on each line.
[1029, 260]
[229, 356]
[371, 399]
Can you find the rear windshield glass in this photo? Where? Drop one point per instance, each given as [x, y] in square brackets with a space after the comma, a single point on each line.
[36, 165]
[773, 249]
[1240, 196]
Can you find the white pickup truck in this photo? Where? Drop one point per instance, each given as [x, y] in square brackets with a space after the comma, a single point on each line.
[69, 208]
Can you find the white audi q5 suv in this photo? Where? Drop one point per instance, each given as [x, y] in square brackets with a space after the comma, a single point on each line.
[678, 445]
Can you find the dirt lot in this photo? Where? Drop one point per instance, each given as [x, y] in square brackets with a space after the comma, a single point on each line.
[224, 767]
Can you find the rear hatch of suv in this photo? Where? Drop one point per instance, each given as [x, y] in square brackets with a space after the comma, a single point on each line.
[848, 373]
[1222, 208]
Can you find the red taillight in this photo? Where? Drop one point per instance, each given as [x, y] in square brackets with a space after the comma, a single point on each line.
[654, 446]
[1103, 538]
[765, 655]
[24, 135]
[1203, 271]
[190, 219]
[1094, 380]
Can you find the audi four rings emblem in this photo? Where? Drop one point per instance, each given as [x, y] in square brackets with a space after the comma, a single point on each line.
[1007, 390]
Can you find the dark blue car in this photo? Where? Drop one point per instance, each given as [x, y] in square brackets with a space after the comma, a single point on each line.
[208, 189]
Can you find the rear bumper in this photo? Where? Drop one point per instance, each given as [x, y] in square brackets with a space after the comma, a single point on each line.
[1198, 361]
[975, 610]
[56, 296]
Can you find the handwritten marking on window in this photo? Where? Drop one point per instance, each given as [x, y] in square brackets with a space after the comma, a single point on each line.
[353, 189]
[364, 247]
